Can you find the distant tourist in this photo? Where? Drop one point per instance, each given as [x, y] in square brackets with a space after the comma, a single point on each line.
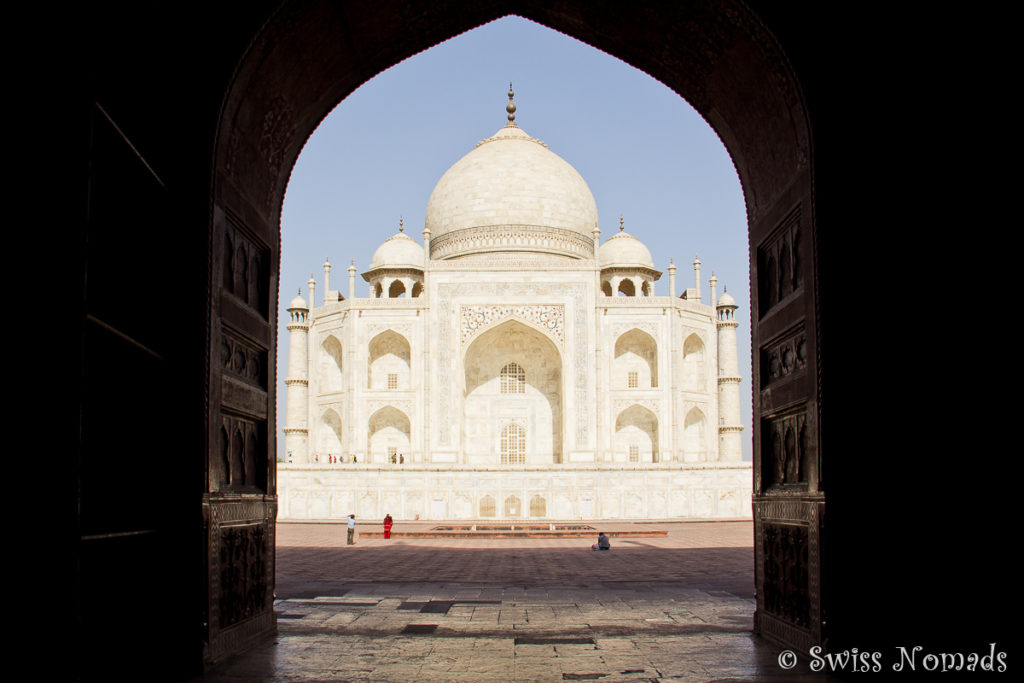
[602, 542]
[387, 526]
[401, 459]
[351, 530]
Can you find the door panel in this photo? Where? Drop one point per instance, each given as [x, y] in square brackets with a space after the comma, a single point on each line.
[788, 503]
[240, 505]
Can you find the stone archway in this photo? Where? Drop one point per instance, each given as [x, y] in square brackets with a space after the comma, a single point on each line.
[744, 83]
[249, 108]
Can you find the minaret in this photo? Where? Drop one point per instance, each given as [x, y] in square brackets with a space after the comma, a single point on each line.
[671, 278]
[311, 283]
[730, 444]
[696, 276]
[327, 280]
[296, 429]
[714, 287]
[352, 280]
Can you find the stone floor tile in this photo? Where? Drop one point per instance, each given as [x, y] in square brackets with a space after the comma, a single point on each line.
[635, 624]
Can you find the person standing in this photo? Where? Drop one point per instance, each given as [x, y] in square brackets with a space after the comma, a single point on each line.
[351, 530]
[387, 526]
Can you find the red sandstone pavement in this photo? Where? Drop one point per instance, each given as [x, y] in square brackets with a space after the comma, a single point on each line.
[677, 607]
[704, 555]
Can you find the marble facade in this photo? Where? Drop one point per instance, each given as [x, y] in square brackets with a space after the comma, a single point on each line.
[513, 367]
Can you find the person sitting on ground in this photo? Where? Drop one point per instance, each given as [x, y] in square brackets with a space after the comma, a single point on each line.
[602, 542]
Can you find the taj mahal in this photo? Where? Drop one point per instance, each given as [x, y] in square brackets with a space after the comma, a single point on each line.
[512, 366]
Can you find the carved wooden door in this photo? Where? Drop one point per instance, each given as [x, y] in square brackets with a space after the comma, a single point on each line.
[239, 506]
[788, 500]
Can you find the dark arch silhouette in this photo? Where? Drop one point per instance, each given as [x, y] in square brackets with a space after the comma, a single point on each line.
[188, 124]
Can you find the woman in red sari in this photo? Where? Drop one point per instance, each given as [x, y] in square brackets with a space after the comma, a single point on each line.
[387, 526]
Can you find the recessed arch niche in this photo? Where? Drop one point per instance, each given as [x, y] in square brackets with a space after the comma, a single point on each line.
[694, 363]
[537, 408]
[389, 354]
[636, 427]
[695, 448]
[389, 428]
[635, 351]
[330, 437]
[331, 360]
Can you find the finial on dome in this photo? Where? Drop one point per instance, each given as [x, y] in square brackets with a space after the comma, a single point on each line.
[621, 226]
[511, 107]
[401, 224]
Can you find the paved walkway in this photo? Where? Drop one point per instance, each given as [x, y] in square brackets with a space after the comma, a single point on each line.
[678, 607]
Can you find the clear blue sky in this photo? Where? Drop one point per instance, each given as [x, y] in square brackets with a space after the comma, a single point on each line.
[644, 152]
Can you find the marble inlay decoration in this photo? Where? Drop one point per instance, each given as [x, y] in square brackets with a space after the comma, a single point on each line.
[549, 318]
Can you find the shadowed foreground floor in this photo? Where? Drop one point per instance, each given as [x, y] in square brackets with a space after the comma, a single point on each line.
[678, 607]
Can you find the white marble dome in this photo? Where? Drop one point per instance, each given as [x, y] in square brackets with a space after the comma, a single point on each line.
[727, 300]
[398, 251]
[297, 302]
[623, 249]
[511, 193]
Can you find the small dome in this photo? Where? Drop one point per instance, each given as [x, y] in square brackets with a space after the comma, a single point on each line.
[298, 302]
[399, 251]
[727, 300]
[624, 250]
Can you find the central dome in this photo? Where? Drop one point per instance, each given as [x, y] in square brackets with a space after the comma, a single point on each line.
[511, 193]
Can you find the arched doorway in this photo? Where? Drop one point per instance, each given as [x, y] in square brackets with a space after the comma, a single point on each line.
[718, 55]
[254, 159]
[513, 397]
